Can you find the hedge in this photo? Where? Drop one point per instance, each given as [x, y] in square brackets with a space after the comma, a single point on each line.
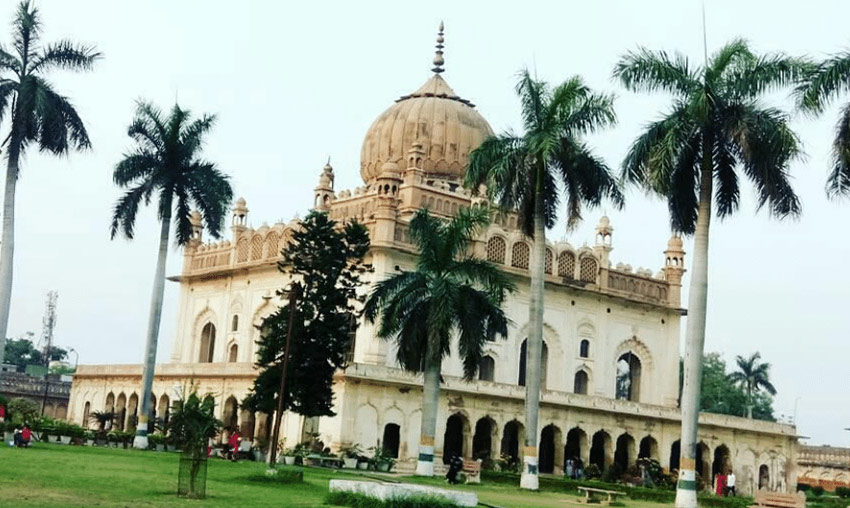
[362, 501]
[280, 476]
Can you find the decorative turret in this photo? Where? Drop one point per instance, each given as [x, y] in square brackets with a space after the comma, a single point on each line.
[197, 227]
[603, 247]
[324, 192]
[674, 268]
[240, 217]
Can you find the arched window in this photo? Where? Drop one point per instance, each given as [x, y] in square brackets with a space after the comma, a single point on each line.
[522, 356]
[628, 377]
[566, 265]
[207, 343]
[233, 354]
[257, 247]
[584, 349]
[589, 269]
[234, 323]
[547, 265]
[519, 255]
[486, 368]
[496, 250]
[86, 410]
[580, 383]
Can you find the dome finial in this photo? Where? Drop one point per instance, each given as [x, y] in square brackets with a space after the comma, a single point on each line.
[438, 57]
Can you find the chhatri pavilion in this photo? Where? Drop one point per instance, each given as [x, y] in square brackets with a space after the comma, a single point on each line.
[612, 333]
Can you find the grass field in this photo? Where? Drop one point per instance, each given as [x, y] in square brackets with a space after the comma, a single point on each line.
[75, 476]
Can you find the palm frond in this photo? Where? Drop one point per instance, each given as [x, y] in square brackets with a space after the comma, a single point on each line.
[125, 210]
[533, 96]
[66, 55]
[825, 83]
[838, 182]
[645, 70]
[758, 75]
[9, 62]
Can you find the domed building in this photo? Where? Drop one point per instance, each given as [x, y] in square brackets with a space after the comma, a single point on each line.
[611, 334]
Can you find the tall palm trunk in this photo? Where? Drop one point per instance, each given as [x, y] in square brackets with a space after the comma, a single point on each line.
[7, 247]
[534, 350]
[686, 494]
[430, 401]
[749, 400]
[141, 439]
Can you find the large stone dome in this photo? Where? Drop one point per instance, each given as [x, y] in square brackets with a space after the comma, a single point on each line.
[446, 127]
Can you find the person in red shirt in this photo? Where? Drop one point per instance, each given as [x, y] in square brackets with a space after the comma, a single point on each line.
[234, 441]
[26, 434]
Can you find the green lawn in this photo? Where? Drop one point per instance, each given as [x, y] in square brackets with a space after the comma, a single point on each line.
[77, 476]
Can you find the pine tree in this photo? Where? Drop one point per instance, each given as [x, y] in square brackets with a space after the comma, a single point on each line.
[327, 261]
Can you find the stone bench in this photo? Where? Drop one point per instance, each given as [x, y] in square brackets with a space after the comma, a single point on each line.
[384, 491]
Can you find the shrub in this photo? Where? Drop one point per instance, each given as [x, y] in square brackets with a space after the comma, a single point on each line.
[710, 500]
[350, 452]
[508, 463]
[279, 476]
[653, 495]
[842, 492]
[22, 411]
[361, 501]
[592, 471]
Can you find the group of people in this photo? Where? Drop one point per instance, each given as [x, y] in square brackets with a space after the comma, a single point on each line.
[22, 436]
[724, 484]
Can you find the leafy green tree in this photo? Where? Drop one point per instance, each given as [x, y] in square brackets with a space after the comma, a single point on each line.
[716, 127]
[22, 411]
[327, 260]
[529, 173]
[450, 293]
[826, 83]
[38, 115]
[167, 163]
[22, 352]
[720, 394]
[753, 376]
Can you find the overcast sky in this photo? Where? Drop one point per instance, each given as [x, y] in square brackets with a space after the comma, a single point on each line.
[294, 85]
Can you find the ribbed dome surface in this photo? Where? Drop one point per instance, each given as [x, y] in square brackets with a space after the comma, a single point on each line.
[447, 127]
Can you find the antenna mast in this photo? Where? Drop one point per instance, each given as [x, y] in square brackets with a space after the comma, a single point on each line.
[48, 325]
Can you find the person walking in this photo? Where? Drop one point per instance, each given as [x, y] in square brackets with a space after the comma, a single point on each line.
[234, 441]
[730, 484]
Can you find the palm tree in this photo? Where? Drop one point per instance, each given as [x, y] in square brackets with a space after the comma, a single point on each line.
[166, 162]
[101, 418]
[38, 115]
[753, 376]
[527, 173]
[715, 128]
[449, 293]
[828, 80]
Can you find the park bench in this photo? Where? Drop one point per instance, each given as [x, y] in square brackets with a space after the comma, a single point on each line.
[604, 497]
[764, 498]
[472, 470]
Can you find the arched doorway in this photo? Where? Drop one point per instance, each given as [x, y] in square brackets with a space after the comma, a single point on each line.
[121, 411]
[648, 448]
[230, 415]
[722, 463]
[764, 477]
[624, 455]
[392, 437]
[163, 409]
[246, 428]
[675, 455]
[513, 435]
[600, 450]
[628, 377]
[207, 348]
[574, 450]
[482, 440]
[549, 451]
[454, 439]
[86, 409]
[132, 411]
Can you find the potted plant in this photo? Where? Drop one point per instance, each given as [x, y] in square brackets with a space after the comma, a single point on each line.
[157, 442]
[193, 424]
[90, 436]
[380, 460]
[8, 431]
[260, 449]
[287, 456]
[350, 455]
